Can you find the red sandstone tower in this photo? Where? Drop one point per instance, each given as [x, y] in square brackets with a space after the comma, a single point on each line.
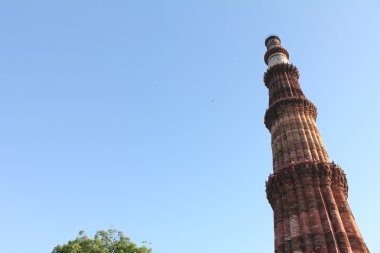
[307, 192]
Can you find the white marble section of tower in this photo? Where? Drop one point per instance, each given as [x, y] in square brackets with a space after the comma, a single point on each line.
[278, 57]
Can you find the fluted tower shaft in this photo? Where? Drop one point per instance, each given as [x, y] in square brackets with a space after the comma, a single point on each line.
[307, 192]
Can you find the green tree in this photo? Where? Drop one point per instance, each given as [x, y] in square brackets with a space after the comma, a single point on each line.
[110, 241]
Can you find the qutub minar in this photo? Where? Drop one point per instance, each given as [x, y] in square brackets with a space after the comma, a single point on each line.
[307, 192]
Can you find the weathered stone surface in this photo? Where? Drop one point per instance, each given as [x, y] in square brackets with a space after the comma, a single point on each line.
[307, 192]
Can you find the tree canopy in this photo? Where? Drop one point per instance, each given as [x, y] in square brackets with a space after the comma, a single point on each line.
[110, 241]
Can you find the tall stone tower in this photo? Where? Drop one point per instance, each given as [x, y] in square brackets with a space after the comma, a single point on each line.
[307, 192]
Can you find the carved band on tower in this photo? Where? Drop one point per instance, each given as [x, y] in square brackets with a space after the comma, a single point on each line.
[307, 192]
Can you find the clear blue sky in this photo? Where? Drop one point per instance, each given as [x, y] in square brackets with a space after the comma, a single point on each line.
[147, 116]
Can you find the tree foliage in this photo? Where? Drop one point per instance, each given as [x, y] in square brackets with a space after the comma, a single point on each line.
[110, 241]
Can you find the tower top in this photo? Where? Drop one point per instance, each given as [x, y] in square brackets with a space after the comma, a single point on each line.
[272, 40]
[275, 54]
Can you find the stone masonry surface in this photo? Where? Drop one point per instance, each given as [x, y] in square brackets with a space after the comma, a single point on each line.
[307, 192]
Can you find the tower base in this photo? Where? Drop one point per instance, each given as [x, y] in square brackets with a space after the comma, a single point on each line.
[311, 212]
